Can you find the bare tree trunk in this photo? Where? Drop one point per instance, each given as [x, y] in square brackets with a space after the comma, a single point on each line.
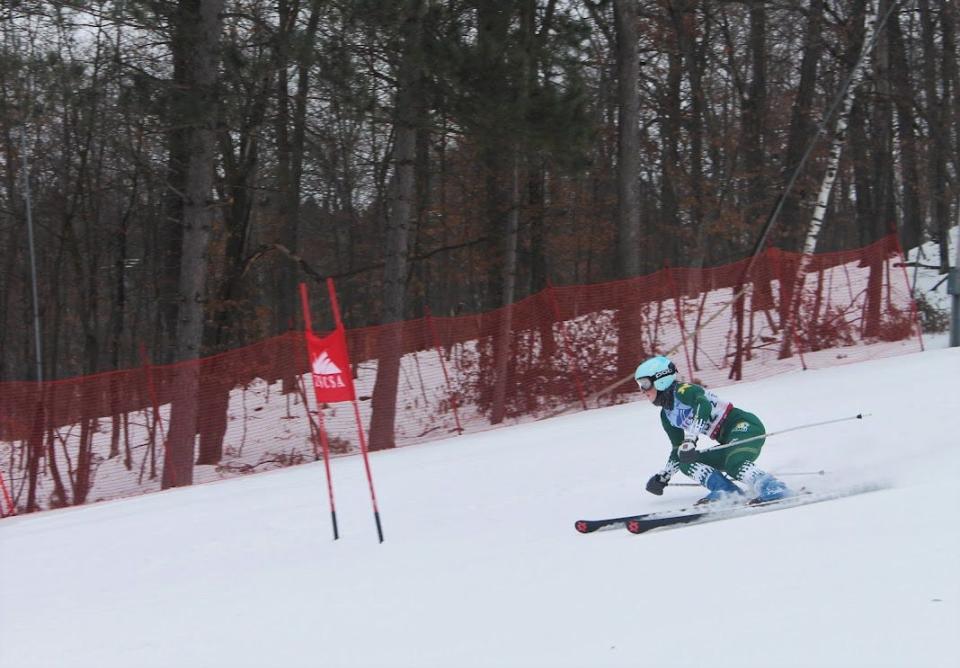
[885, 211]
[402, 199]
[670, 157]
[83, 476]
[949, 23]
[230, 313]
[802, 124]
[752, 128]
[171, 233]
[629, 321]
[883, 216]
[35, 451]
[939, 137]
[199, 26]
[292, 176]
[494, 23]
[502, 347]
[117, 319]
[755, 118]
[864, 200]
[59, 497]
[685, 21]
[830, 175]
[504, 350]
[912, 228]
[628, 139]
[291, 134]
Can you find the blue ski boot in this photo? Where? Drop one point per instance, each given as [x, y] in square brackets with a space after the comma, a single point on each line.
[719, 485]
[769, 488]
[765, 487]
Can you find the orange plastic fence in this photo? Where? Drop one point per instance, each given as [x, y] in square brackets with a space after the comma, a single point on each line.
[100, 437]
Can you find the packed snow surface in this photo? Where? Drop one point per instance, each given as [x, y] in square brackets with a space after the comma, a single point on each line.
[481, 566]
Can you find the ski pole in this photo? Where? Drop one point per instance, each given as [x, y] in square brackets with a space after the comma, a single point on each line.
[858, 416]
[777, 473]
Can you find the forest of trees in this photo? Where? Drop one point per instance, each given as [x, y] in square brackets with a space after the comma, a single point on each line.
[191, 161]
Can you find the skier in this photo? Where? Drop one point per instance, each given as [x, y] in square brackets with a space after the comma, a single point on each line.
[689, 410]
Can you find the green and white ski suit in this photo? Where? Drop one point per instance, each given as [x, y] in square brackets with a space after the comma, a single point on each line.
[697, 411]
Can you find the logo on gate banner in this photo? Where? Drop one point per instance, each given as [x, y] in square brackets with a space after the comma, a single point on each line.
[330, 367]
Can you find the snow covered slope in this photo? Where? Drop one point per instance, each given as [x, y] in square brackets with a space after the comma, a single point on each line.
[482, 567]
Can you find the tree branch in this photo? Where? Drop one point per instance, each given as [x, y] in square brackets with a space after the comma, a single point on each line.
[306, 267]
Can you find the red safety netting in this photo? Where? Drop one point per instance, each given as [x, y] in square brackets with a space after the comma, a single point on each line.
[101, 437]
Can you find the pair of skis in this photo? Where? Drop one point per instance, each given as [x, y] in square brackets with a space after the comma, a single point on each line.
[701, 514]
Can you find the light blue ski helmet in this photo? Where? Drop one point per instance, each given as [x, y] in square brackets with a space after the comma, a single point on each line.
[659, 371]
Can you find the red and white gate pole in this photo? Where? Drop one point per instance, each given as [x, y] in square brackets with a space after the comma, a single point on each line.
[356, 410]
[308, 329]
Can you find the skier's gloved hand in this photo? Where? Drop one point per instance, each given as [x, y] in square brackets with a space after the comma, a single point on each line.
[687, 452]
[658, 483]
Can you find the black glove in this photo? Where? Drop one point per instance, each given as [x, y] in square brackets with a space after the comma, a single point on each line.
[657, 484]
[687, 452]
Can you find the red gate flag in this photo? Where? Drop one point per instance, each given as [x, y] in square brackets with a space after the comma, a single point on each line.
[330, 366]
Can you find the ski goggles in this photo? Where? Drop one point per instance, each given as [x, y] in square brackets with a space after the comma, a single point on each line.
[645, 383]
